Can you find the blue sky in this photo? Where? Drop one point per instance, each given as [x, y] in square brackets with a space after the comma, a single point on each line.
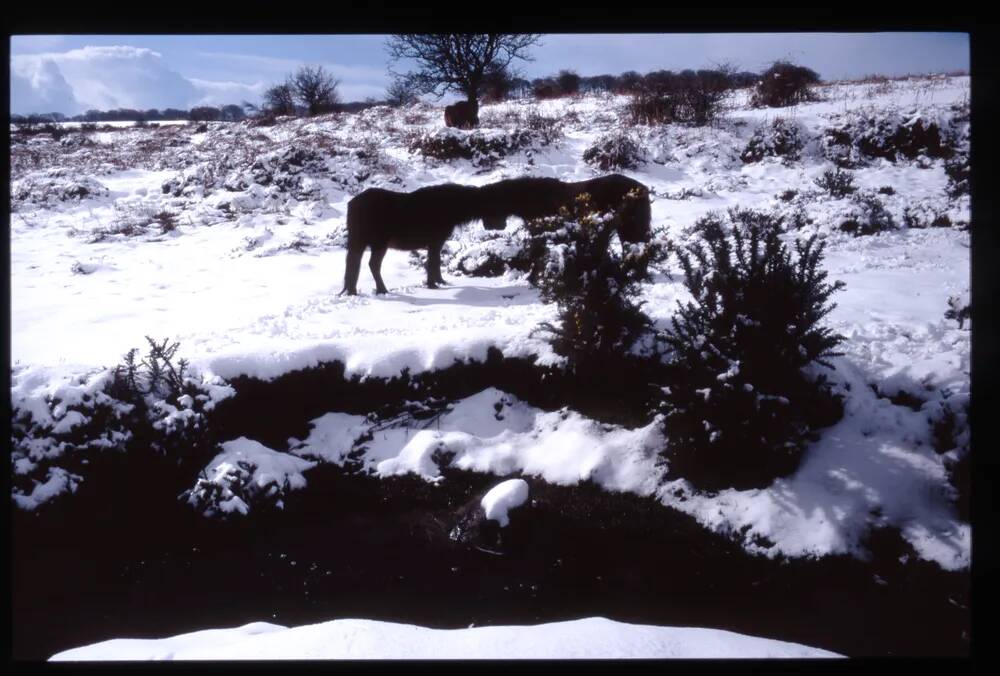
[71, 73]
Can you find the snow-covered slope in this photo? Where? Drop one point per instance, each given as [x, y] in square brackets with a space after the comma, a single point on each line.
[590, 638]
[231, 242]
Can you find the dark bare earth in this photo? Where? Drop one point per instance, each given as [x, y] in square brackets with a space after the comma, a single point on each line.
[357, 547]
[124, 558]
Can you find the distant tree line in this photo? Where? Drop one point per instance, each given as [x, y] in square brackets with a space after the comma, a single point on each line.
[313, 91]
[568, 83]
[227, 113]
[230, 112]
[310, 90]
[501, 85]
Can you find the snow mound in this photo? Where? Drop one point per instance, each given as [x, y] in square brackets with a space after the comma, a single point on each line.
[494, 432]
[504, 497]
[593, 637]
[876, 468]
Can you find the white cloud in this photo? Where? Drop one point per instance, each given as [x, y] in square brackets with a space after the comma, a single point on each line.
[125, 76]
[111, 77]
[39, 88]
[222, 93]
[101, 77]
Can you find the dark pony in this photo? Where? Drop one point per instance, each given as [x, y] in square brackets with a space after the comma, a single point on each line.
[537, 197]
[424, 218]
[464, 114]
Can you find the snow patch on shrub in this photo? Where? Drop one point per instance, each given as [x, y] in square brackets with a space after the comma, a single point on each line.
[246, 474]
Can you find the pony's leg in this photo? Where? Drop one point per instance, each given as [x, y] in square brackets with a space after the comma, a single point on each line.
[352, 272]
[375, 265]
[434, 267]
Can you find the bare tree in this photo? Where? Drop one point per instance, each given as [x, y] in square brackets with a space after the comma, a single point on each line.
[280, 99]
[232, 112]
[316, 89]
[398, 93]
[784, 84]
[456, 62]
[205, 113]
[498, 84]
[568, 81]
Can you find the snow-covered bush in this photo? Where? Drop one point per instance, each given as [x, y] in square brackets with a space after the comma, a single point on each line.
[690, 97]
[54, 186]
[482, 146]
[545, 129]
[164, 393]
[738, 402]
[481, 254]
[594, 283]
[618, 150]
[837, 183]
[76, 141]
[131, 220]
[784, 84]
[246, 475]
[858, 136]
[869, 215]
[949, 419]
[781, 138]
[927, 213]
[957, 169]
[492, 256]
[959, 308]
[148, 404]
[286, 169]
[652, 108]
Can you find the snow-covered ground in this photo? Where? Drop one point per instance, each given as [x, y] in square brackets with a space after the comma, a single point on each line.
[117, 124]
[245, 275]
[590, 638]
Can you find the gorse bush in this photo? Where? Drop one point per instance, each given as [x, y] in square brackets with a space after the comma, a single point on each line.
[738, 405]
[781, 138]
[959, 308]
[483, 148]
[784, 84]
[926, 214]
[544, 129]
[155, 374]
[161, 391]
[492, 256]
[837, 182]
[859, 136]
[957, 170]
[594, 284]
[615, 151]
[691, 97]
[148, 408]
[872, 216]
